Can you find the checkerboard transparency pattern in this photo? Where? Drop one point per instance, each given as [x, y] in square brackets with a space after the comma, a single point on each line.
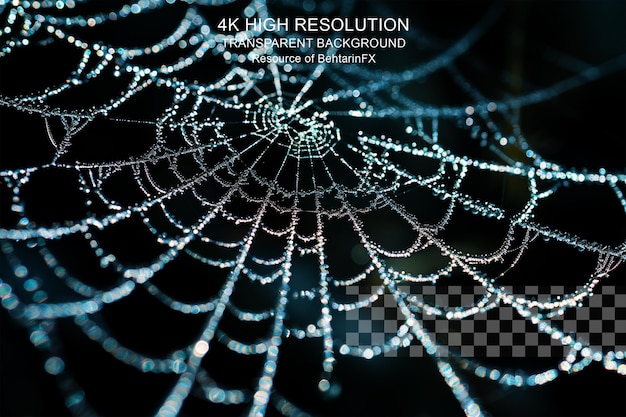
[501, 332]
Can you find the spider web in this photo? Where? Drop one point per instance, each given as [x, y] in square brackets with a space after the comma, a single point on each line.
[171, 209]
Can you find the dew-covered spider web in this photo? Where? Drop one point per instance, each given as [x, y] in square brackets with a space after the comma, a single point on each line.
[183, 229]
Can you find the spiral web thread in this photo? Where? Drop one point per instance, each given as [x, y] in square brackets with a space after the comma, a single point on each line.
[277, 153]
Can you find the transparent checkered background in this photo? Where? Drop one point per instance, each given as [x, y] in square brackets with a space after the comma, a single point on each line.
[501, 332]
